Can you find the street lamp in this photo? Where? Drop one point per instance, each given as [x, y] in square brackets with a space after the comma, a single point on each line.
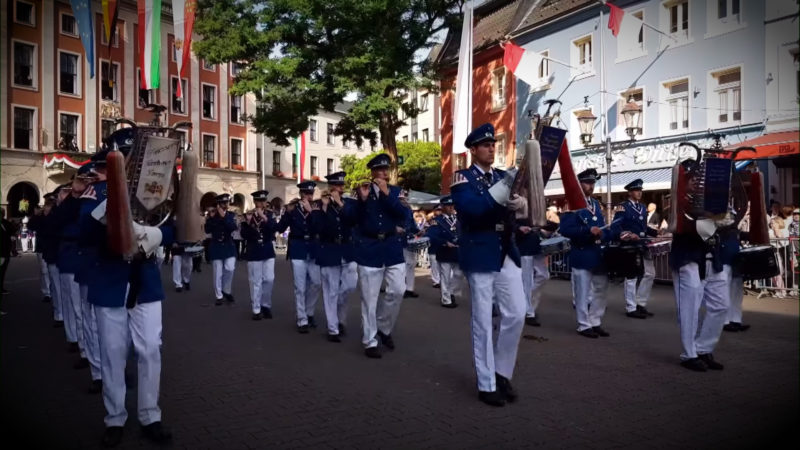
[632, 113]
[586, 123]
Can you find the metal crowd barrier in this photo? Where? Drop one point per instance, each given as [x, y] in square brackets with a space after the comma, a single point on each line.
[784, 285]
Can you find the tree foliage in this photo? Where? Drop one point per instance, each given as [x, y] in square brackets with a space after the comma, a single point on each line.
[421, 169]
[301, 55]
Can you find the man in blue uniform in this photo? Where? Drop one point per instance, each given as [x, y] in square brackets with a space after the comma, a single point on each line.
[586, 230]
[181, 261]
[36, 225]
[49, 238]
[335, 255]
[409, 255]
[221, 250]
[127, 299]
[490, 259]
[303, 243]
[444, 244]
[258, 231]
[630, 228]
[534, 267]
[379, 253]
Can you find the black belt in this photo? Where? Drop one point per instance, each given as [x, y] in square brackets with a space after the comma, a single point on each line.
[379, 236]
[305, 237]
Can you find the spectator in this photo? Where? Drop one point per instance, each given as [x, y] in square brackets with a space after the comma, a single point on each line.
[778, 234]
[7, 232]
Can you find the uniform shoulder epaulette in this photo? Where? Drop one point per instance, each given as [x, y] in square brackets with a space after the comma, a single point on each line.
[89, 193]
[619, 208]
[458, 178]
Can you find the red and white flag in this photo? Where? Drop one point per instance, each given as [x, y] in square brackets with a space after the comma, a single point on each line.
[183, 12]
[522, 63]
[624, 26]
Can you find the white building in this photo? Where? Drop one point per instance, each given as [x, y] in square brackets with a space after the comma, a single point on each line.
[424, 127]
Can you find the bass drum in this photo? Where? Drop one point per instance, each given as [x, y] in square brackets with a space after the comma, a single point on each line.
[623, 261]
[757, 263]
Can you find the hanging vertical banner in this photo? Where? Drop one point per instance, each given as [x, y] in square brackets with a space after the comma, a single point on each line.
[462, 113]
[110, 15]
[183, 12]
[82, 10]
[149, 42]
[300, 155]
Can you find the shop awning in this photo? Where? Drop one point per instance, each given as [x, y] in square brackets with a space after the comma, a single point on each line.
[770, 145]
[654, 179]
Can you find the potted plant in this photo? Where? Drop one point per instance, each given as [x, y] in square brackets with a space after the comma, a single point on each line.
[237, 167]
[211, 165]
[277, 173]
[315, 177]
[294, 175]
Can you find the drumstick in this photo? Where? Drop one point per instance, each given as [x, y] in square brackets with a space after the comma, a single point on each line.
[612, 223]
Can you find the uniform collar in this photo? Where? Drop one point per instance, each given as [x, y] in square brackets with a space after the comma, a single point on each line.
[483, 172]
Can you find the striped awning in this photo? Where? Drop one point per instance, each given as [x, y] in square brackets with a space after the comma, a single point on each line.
[654, 179]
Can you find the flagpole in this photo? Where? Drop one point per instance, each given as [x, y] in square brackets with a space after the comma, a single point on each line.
[604, 112]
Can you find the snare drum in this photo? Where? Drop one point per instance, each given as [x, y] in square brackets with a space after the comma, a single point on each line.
[756, 263]
[418, 244]
[193, 250]
[658, 248]
[555, 245]
[623, 261]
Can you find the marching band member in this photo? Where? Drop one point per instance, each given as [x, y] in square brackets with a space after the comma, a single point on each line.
[181, 262]
[126, 296]
[410, 256]
[48, 239]
[733, 319]
[444, 244]
[586, 230]
[258, 231]
[65, 217]
[222, 253]
[490, 259]
[335, 256]
[631, 228]
[36, 225]
[534, 268]
[303, 252]
[379, 253]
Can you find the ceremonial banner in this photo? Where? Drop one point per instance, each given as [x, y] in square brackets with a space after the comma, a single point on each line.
[156, 176]
[550, 142]
[183, 12]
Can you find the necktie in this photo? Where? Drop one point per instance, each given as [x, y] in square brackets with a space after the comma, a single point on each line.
[488, 176]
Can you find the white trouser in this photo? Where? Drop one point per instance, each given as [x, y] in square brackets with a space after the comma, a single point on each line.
[411, 265]
[71, 305]
[380, 314]
[307, 287]
[223, 275]
[534, 275]
[736, 299]
[160, 255]
[181, 270]
[117, 327]
[349, 279]
[90, 334]
[55, 291]
[452, 281]
[589, 292]
[334, 296]
[261, 275]
[634, 296]
[690, 294]
[498, 357]
[44, 276]
[435, 269]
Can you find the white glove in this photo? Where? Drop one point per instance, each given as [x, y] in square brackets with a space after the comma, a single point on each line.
[147, 238]
[501, 190]
[99, 213]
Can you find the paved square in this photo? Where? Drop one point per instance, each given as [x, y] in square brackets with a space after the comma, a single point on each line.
[230, 382]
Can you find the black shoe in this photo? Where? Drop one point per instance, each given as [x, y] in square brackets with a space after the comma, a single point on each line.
[743, 327]
[112, 436]
[312, 323]
[589, 333]
[373, 352]
[156, 433]
[266, 312]
[96, 387]
[493, 398]
[386, 340]
[334, 338]
[257, 316]
[302, 329]
[644, 311]
[450, 305]
[694, 364]
[58, 324]
[179, 289]
[81, 364]
[532, 321]
[708, 358]
[228, 297]
[505, 388]
[411, 294]
[600, 332]
[73, 347]
[342, 331]
[732, 327]
[47, 299]
[636, 314]
[187, 286]
[437, 286]
[218, 302]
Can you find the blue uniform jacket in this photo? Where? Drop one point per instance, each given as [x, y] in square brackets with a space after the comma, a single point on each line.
[66, 217]
[221, 246]
[632, 219]
[36, 224]
[335, 234]
[108, 275]
[49, 237]
[303, 241]
[585, 252]
[259, 237]
[529, 244]
[440, 233]
[377, 242]
[410, 227]
[485, 236]
[729, 245]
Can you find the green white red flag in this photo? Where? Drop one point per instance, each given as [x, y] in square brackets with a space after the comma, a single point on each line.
[149, 42]
[300, 155]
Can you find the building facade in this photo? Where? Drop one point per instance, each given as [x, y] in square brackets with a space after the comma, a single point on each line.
[425, 126]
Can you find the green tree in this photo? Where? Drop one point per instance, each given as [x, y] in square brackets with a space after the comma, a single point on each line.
[300, 55]
[421, 169]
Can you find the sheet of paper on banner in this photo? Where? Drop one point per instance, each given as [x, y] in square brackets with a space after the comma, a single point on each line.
[157, 166]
